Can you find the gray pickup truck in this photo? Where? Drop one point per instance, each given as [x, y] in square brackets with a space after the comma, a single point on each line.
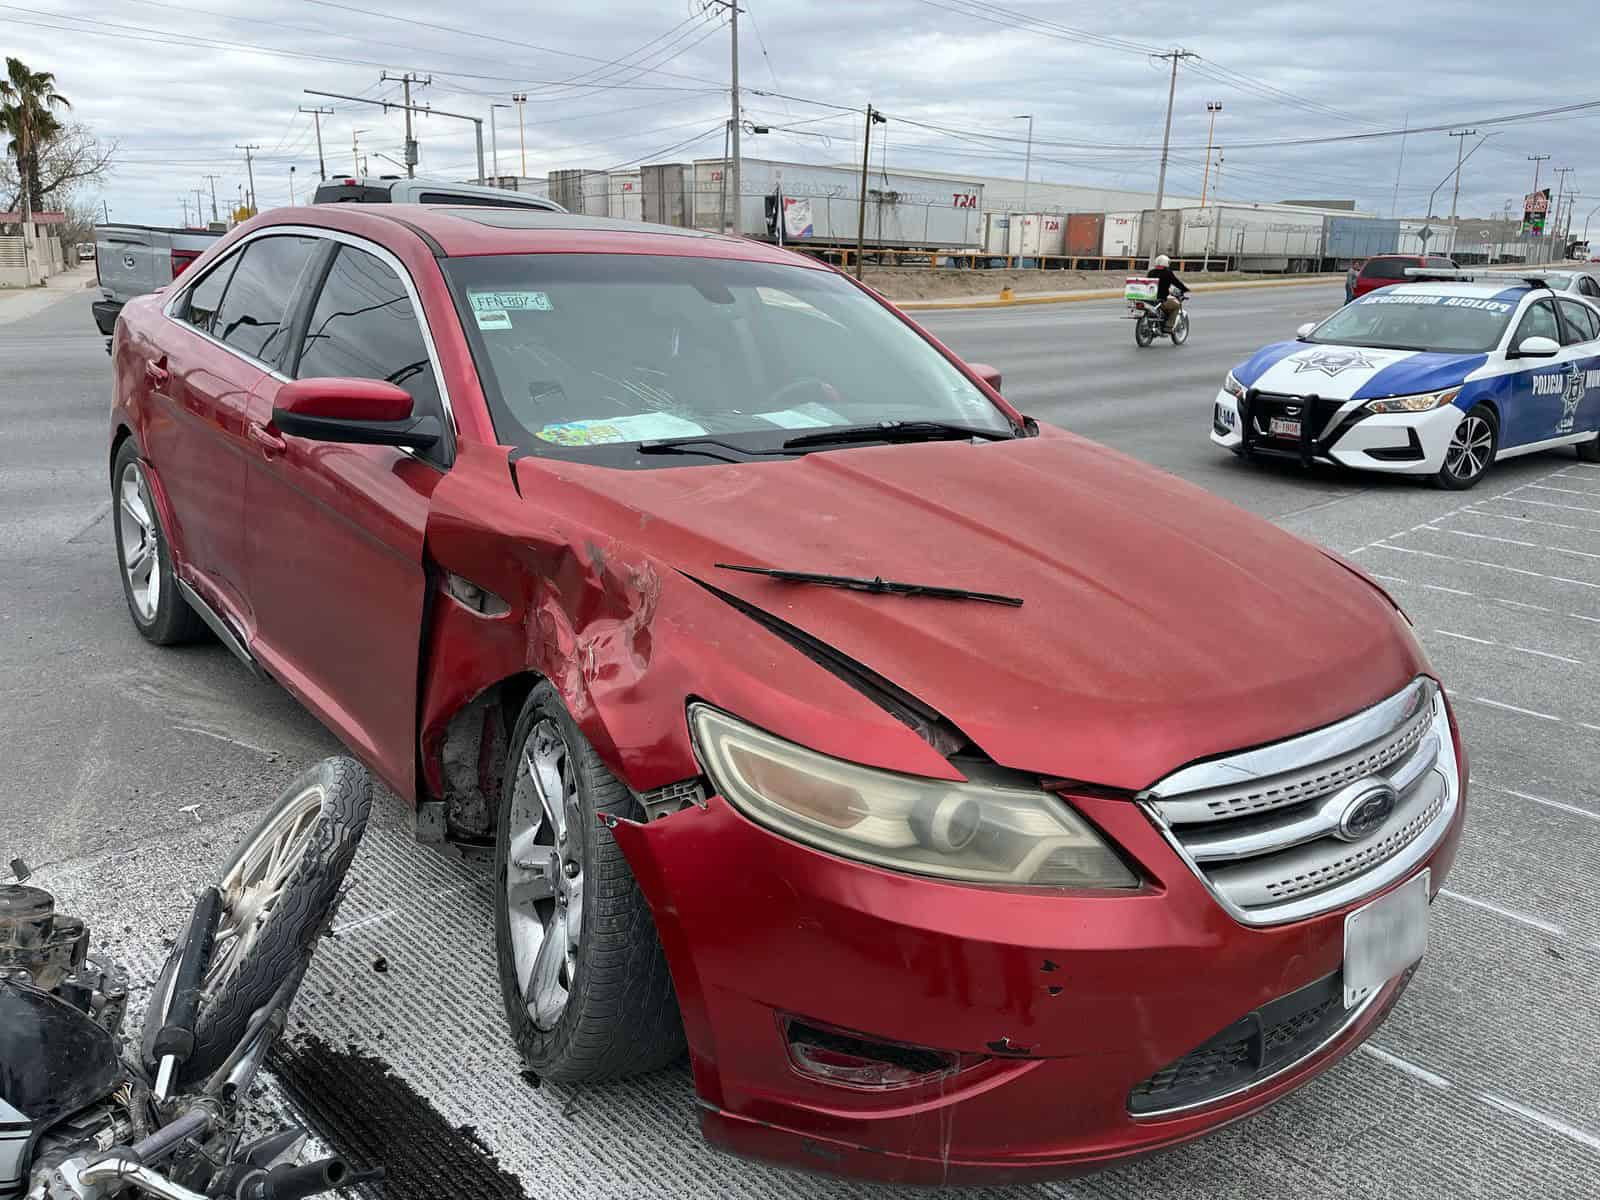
[131, 260]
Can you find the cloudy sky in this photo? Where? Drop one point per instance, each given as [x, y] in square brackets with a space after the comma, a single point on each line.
[613, 82]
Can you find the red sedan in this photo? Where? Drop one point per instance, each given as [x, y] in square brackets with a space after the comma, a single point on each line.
[973, 801]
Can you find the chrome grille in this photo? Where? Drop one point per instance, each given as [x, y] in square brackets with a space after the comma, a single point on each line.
[1271, 831]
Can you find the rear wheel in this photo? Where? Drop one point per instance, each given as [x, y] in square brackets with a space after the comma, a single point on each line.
[582, 973]
[1471, 450]
[149, 582]
[1144, 331]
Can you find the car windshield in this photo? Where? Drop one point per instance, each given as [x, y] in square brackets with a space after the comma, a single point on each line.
[587, 355]
[1401, 320]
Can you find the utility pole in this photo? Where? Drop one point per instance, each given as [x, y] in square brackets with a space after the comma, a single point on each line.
[105, 210]
[1394, 204]
[874, 117]
[250, 168]
[1027, 162]
[212, 179]
[1461, 144]
[185, 202]
[316, 115]
[1213, 107]
[386, 105]
[199, 208]
[1536, 160]
[1177, 56]
[1555, 216]
[521, 98]
[291, 185]
[494, 142]
[730, 166]
[355, 149]
[406, 81]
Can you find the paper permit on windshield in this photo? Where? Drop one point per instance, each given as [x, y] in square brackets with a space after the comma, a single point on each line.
[492, 310]
[806, 416]
[604, 431]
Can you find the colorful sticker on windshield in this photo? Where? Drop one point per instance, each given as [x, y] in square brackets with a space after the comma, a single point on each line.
[510, 301]
[492, 318]
[609, 430]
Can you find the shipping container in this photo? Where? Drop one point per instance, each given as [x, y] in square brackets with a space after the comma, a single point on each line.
[1346, 238]
[822, 205]
[1158, 231]
[1256, 237]
[1085, 234]
[566, 189]
[1034, 235]
[667, 197]
[623, 188]
[1121, 237]
[996, 232]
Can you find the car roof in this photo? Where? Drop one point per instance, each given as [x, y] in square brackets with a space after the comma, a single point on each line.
[466, 231]
[1512, 289]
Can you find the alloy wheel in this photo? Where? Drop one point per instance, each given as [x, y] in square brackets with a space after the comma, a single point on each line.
[544, 874]
[255, 880]
[136, 530]
[1470, 447]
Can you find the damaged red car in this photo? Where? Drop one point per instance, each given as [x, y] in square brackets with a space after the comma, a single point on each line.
[971, 801]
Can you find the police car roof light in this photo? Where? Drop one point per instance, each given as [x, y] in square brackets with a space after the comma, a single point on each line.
[1531, 278]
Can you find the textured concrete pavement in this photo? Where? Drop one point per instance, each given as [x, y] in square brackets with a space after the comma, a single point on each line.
[135, 768]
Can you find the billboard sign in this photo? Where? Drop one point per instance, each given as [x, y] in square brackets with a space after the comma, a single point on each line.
[1535, 205]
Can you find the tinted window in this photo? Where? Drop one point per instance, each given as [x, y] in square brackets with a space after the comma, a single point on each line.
[201, 305]
[1538, 321]
[1588, 286]
[1579, 320]
[1388, 268]
[363, 326]
[1441, 264]
[459, 200]
[257, 301]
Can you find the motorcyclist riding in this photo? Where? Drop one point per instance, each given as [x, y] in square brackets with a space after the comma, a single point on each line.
[1167, 279]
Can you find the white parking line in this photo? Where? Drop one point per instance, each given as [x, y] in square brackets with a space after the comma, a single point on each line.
[1554, 1124]
[1573, 809]
[1546, 1121]
[1526, 712]
[1544, 487]
[1434, 587]
[1473, 512]
[1577, 662]
[1478, 562]
[1487, 537]
[1509, 914]
[1544, 504]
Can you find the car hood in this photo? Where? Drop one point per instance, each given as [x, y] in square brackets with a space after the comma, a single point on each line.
[1159, 623]
[1352, 372]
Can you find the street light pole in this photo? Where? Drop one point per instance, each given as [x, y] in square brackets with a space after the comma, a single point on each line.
[355, 149]
[494, 141]
[1462, 135]
[1213, 107]
[1027, 162]
[520, 99]
[291, 185]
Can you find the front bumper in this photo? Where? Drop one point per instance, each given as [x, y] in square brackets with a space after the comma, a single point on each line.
[1070, 1000]
[1345, 435]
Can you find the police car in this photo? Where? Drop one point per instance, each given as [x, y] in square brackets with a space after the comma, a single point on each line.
[1435, 379]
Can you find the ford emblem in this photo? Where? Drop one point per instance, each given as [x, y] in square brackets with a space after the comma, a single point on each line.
[1366, 813]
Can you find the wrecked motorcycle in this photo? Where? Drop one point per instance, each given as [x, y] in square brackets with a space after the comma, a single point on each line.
[89, 1113]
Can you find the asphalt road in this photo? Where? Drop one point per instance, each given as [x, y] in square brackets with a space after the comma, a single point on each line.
[135, 768]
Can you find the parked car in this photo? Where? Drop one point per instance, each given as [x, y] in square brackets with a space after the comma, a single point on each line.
[1438, 380]
[85, 251]
[1578, 282]
[395, 190]
[825, 713]
[1382, 270]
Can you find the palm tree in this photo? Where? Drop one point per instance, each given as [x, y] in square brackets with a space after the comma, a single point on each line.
[26, 100]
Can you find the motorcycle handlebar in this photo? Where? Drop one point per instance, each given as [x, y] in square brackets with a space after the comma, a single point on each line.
[293, 1181]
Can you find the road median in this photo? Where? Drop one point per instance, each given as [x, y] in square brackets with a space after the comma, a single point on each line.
[1103, 294]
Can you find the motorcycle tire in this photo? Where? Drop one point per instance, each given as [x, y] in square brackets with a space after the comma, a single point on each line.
[313, 829]
[1143, 332]
[1180, 329]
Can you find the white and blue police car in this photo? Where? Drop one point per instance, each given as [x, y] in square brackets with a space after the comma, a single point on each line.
[1434, 379]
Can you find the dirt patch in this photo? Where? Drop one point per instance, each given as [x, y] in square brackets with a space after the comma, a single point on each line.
[946, 283]
[374, 1118]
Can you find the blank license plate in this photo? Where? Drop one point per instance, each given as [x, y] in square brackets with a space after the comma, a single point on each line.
[1283, 428]
[1384, 938]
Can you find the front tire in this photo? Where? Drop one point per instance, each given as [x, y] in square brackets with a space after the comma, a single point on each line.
[1180, 329]
[144, 556]
[1471, 451]
[583, 977]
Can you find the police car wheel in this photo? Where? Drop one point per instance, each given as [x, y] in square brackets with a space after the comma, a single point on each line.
[1471, 450]
[1590, 451]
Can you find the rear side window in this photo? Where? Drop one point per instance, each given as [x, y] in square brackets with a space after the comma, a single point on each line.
[1387, 268]
[1588, 286]
[254, 312]
[1441, 264]
[1538, 321]
[363, 326]
[200, 307]
[1580, 323]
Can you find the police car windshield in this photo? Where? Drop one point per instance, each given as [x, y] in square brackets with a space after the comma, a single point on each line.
[1396, 320]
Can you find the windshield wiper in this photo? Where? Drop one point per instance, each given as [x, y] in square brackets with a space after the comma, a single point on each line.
[877, 585]
[896, 431]
[689, 444]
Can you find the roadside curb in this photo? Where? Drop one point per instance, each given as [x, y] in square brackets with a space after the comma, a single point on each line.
[1107, 294]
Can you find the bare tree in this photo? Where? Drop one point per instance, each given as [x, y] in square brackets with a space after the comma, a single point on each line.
[70, 159]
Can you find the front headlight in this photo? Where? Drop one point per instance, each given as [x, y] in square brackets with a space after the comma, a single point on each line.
[1233, 387]
[978, 833]
[1422, 402]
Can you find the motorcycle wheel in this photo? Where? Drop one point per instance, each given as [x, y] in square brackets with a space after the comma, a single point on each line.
[1143, 332]
[1180, 329]
[279, 888]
